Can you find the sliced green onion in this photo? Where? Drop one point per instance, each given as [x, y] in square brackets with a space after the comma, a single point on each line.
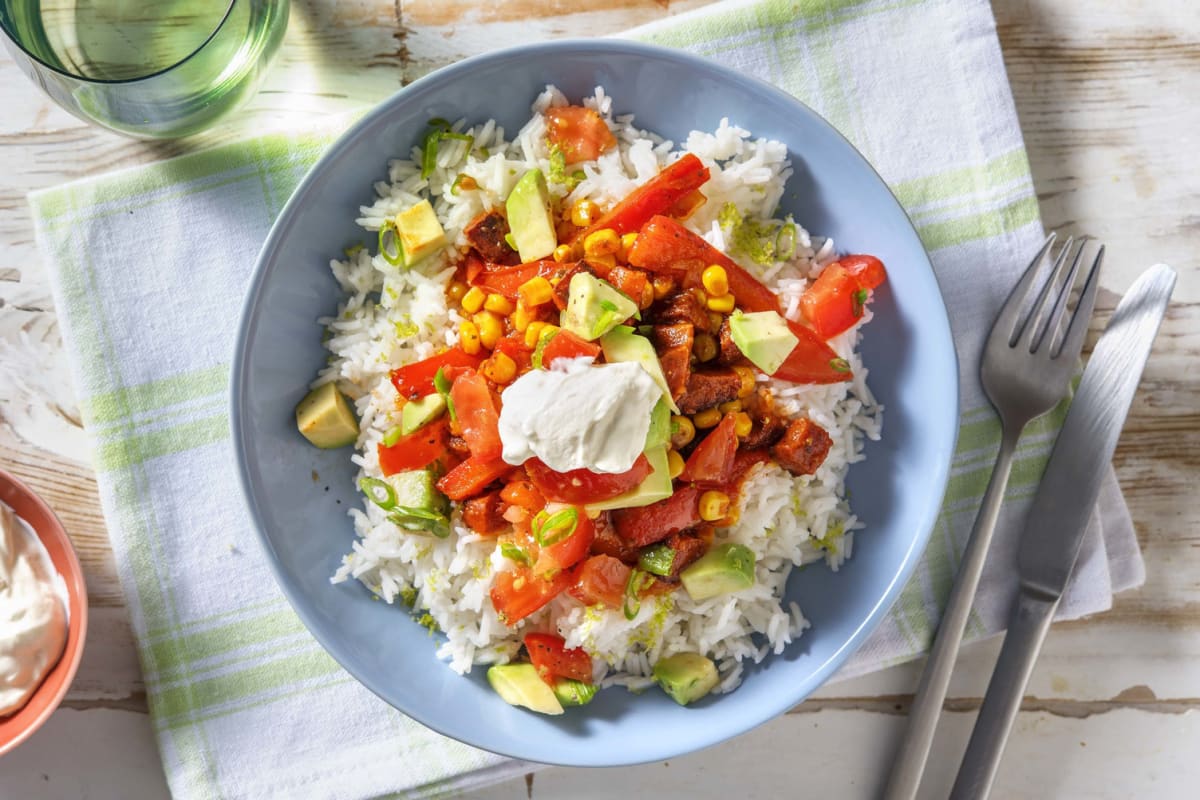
[658, 559]
[543, 340]
[577, 176]
[645, 330]
[571, 692]
[396, 260]
[514, 553]
[458, 180]
[605, 321]
[608, 305]
[839, 364]
[860, 300]
[638, 580]
[392, 436]
[442, 384]
[420, 519]
[429, 147]
[552, 529]
[439, 122]
[511, 241]
[378, 492]
[787, 233]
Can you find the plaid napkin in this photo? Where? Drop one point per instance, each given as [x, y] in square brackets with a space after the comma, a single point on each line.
[149, 268]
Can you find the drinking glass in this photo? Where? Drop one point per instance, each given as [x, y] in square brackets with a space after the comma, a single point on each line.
[145, 68]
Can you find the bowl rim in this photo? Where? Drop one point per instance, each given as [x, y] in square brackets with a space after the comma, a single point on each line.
[248, 323]
[77, 624]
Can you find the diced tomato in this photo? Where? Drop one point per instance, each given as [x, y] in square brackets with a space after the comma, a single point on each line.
[519, 593]
[471, 477]
[630, 282]
[417, 450]
[834, 302]
[551, 658]
[523, 494]
[472, 266]
[811, 360]
[867, 270]
[582, 485]
[601, 579]
[712, 461]
[506, 280]
[564, 344]
[581, 133]
[485, 513]
[664, 245]
[477, 415]
[655, 522]
[569, 552]
[659, 195]
[416, 380]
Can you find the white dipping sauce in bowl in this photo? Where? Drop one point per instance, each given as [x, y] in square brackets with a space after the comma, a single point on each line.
[33, 612]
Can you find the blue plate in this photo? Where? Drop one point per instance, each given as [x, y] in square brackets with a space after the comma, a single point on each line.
[896, 491]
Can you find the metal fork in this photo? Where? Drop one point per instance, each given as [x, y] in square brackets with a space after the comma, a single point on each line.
[1024, 375]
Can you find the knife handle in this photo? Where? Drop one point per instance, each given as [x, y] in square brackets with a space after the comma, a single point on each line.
[1031, 619]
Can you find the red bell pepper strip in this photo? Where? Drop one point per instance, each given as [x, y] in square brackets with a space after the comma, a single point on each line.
[506, 280]
[471, 477]
[415, 380]
[656, 196]
[417, 450]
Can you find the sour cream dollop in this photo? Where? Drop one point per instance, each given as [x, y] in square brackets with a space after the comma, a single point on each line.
[578, 416]
[33, 614]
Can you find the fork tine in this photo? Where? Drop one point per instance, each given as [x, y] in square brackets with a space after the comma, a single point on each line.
[1010, 314]
[1050, 333]
[1028, 333]
[1072, 344]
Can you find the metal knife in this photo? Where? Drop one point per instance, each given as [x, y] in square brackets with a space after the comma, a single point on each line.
[1059, 515]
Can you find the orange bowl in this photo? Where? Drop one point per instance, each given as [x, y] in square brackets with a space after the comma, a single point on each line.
[16, 728]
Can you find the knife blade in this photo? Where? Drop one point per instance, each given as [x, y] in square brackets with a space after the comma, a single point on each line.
[1059, 515]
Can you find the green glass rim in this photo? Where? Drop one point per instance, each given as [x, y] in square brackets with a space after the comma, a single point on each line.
[12, 37]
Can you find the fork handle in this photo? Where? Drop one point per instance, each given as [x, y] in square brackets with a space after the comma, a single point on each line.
[910, 761]
[1027, 628]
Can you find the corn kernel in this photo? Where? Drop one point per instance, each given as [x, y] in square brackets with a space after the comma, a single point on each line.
[715, 320]
[498, 304]
[627, 244]
[662, 286]
[532, 332]
[577, 250]
[732, 405]
[714, 506]
[490, 328]
[647, 297]
[535, 291]
[468, 337]
[522, 317]
[472, 301]
[500, 368]
[705, 347]
[708, 418]
[682, 431]
[742, 424]
[603, 242]
[700, 295]
[584, 213]
[747, 376]
[674, 464]
[562, 253]
[715, 281]
[608, 261]
[723, 304]
[456, 290]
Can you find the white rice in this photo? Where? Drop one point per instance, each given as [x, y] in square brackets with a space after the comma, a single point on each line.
[392, 317]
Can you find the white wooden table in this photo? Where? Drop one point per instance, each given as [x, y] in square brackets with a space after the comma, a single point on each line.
[1106, 93]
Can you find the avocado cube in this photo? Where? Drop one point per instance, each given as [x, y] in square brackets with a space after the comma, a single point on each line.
[571, 692]
[764, 338]
[529, 217]
[415, 489]
[325, 418]
[416, 414]
[520, 685]
[419, 231]
[654, 487]
[594, 308]
[724, 569]
[660, 425]
[686, 677]
[622, 343]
